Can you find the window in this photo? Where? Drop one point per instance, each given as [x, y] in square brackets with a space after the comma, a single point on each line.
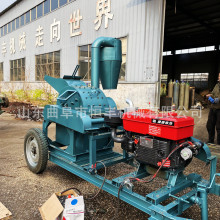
[210, 48]
[1, 71]
[192, 50]
[17, 23]
[9, 27]
[47, 64]
[54, 4]
[199, 80]
[85, 61]
[62, 2]
[40, 10]
[164, 78]
[22, 20]
[167, 53]
[13, 25]
[195, 50]
[17, 70]
[46, 7]
[28, 17]
[124, 55]
[33, 14]
[200, 49]
[5, 29]
[185, 51]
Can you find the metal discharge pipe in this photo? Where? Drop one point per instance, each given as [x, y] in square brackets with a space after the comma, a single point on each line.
[113, 54]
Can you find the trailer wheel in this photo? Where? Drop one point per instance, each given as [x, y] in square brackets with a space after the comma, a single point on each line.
[36, 150]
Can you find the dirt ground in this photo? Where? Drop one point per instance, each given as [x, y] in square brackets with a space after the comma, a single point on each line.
[22, 192]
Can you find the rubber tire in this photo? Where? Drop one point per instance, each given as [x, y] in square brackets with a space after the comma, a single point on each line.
[6, 102]
[43, 150]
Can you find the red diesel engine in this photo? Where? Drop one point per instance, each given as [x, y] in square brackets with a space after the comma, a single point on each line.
[155, 139]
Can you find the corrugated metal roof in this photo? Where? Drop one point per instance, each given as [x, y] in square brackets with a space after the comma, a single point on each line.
[191, 23]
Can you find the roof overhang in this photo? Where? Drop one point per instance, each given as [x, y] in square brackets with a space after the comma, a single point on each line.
[191, 23]
[9, 7]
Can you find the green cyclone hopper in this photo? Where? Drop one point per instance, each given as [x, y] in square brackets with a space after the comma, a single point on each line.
[85, 137]
[106, 62]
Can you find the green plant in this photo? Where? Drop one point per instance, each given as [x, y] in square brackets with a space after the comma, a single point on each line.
[20, 94]
[40, 97]
[37, 94]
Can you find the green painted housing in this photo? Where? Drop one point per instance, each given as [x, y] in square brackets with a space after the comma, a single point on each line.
[106, 62]
[79, 108]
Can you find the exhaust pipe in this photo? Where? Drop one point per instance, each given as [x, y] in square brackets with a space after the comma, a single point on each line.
[115, 138]
[130, 103]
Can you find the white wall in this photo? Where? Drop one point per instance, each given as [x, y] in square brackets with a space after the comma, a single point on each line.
[140, 20]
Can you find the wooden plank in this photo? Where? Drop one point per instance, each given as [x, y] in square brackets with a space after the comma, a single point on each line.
[51, 209]
[5, 214]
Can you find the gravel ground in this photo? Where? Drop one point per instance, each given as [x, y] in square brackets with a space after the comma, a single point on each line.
[22, 192]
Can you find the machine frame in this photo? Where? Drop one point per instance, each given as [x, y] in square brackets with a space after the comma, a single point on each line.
[85, 167]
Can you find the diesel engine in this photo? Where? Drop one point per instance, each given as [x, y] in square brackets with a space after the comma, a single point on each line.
[155, 139]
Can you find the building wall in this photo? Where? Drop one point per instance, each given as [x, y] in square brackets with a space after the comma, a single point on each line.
[140, 20]
[18, 10]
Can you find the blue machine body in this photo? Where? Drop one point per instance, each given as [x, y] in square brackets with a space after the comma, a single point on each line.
[77, 114]
[83, 138]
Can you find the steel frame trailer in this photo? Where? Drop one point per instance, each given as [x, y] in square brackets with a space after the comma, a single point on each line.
[83, 166]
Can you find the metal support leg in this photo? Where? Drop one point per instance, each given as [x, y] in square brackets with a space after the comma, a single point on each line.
[212, 169]
[204, 203]
[173, 178]
[125, 154]
[92, 151]
[72, 147]
[46, 124]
